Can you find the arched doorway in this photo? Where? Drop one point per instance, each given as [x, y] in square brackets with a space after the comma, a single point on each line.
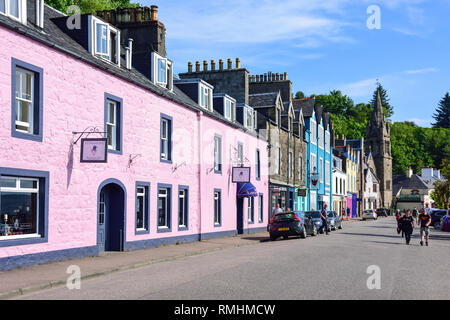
[111, 216]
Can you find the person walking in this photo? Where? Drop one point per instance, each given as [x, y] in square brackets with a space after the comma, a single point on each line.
[398, 216]
[415, 212]
[424, 221]
[407, 222]
[323, 215]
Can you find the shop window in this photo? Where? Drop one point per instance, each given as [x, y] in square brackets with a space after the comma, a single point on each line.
[113, 123]
[142, 207]
[164, 208]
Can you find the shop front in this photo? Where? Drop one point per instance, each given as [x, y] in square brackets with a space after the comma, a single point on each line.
[278, 195]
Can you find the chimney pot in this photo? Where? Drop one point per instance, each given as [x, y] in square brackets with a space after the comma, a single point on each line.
[277, 76]
[147, 15]
[213, 65]
[139, 14]
[257, 78]
[190, 67]
[205, 65]
[197, 66]
[230, 64]
[273, 76]
[154, 13]
[125, 15]
[220, 64]
[285, 76]
[265, 77]
[238, 63]
[132, 14]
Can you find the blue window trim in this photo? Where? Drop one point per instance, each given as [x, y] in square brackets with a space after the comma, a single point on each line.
[260, 207]
[119, 117]
[258, 165]
[38, 101]
[170, 119]
[145, 185]
[186, 199]
[44, 182]
[218, 225]
[169, 208]
[220, 164]
[253, 211]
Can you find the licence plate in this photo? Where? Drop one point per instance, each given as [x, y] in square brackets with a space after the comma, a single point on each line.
[283, 229]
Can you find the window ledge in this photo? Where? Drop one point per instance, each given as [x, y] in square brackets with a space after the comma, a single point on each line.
[164, 229]
[25, 236]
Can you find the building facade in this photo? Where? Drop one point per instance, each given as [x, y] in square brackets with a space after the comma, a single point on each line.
[167, 176]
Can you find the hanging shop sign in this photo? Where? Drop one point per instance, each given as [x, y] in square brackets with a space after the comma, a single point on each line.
[301, 192]
[314, 180]
[94, 150]
[241, 174]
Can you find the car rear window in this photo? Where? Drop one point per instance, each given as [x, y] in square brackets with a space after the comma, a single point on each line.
[284, 216]
[313, 214]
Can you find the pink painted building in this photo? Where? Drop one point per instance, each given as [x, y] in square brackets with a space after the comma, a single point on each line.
[170, 152]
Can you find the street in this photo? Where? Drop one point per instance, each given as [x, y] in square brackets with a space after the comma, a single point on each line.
[322, 267]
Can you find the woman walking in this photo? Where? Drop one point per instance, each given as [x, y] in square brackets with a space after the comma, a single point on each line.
[407, 223]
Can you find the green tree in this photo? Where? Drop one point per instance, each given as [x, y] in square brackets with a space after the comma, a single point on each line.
[91, 6]
[387, 108]
[442, 115]
[299, 95]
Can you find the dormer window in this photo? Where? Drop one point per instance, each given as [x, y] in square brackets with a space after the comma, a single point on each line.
[106, 41]
[206, 97]
[249, 118]
[162, 71]
[230, 110]
[15, 9]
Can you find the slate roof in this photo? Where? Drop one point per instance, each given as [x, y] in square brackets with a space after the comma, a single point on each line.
[401, 181]
[307, 106]
[263, 100]
[54, 37]
[355, 144]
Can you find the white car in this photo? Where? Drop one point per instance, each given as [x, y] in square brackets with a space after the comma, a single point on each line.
[369, 214]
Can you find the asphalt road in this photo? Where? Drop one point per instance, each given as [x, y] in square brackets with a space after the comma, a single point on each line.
[322, 267]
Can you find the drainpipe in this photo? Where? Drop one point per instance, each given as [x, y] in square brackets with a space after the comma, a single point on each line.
[200, 173]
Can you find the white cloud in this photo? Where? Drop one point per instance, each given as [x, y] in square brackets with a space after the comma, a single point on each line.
[420, 71]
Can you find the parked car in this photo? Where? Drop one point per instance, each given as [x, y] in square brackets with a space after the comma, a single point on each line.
[291, 223]
[335, 220]
[369, 214]
[315, 216]
[436, 216]
[382, 212]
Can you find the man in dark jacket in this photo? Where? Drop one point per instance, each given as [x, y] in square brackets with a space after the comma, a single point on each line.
[323, 215]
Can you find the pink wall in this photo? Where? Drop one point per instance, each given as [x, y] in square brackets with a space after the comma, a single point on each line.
[73, 100]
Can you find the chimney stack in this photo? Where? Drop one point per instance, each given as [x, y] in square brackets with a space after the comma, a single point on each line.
[285, 76]
[213, 65]
[197, 66]
[238, 63]
[205, 65]
[230, 64]
[190, 67]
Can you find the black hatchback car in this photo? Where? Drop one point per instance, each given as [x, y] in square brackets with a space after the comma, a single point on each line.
[291, 223]
[382, 212]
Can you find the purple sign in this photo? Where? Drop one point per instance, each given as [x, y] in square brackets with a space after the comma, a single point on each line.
[94, 150]
[241, 175]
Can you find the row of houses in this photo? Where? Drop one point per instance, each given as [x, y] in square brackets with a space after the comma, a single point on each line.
[104, 148]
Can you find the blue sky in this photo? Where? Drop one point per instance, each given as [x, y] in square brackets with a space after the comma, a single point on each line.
[323, 45]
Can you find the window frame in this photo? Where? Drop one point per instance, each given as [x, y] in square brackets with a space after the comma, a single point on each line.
[290, 171]
[43, 178]
[169, 120]
[205, 96]
[321, 136]
[313, 129]
[146, 214]
[168, 226]
[251, 210]
[327, 173]
[21, 11]
[232, 116]
[95, 21]
[261, 208]
[119, 122]
[219, 213]
[321, 173]
[184, 227]
[218, 154]
[38, 100]
[258, 165]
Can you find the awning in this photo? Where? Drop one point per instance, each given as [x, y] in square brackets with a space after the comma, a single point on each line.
[246, 190]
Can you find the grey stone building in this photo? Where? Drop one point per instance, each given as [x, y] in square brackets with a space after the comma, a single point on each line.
[378, 143]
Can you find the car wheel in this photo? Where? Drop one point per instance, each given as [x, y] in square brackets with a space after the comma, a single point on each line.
[303, 233]
[285, 237]
[340, 226]
[314, 233]
[273, 238]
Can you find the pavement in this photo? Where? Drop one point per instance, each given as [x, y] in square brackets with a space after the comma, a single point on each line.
[250, 267]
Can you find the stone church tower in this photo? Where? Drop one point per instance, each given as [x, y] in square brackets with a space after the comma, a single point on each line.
[378, 141]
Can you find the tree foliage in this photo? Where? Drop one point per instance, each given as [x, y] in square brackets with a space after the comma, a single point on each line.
[90, 6]
[442, 115]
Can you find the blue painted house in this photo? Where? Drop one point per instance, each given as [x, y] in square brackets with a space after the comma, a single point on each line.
[319, 146]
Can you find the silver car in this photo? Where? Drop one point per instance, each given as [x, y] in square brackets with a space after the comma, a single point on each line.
[369, 214]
